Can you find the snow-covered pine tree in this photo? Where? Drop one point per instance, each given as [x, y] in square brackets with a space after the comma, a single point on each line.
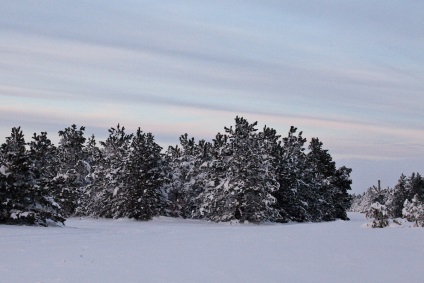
[371, 195]
[413, 211]
[43, 155]
[182, 177]
[319, 170]
[24, 195]
[173, 182]
[415, 186]
[188, 166]
[140, 196]
[380, 215]
[16, 181]
[292, 194]
[44, 167]
[340, 185]
[210, 198]
[109, 171]
[73, 168]
[399, 197]
[87, 168]
[244, 192]
[71, 147]
[389, 196]
[197, 177]
[406, 189]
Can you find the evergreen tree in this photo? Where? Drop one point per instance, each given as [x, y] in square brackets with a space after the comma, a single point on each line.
[189, 166]
[370, 196]
[24, 193]
[215, 175]
[87, 169]
[415, 186]
[43, 155]
[110, 171]
[173, 182]
[140, 196]
[292, 194]
[311, 188]
[71, 147]
[319, 173]
[43, 165]
[244, 192]
[16, 181]
[73, 169]
[340, 185]
[406, 189]
[399, 197]
[413, 211]
[380, 215]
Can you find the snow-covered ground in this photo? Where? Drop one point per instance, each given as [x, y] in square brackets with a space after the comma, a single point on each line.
[176, 250]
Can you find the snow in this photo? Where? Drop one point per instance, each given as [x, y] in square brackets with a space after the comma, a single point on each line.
[3, 171]
[177, 250]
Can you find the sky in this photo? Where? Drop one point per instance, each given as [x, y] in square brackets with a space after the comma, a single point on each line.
[348, 72]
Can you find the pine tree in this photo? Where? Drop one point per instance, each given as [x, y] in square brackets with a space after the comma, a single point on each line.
[215, 175]
[293, 190]
[110, 171]
[340, 184]
[24, 183]
[380, 215]
[243, 193]
[73, 168]
[71, 147]
[399, 197]
[16, 181]
[413, 211]
[406, 189]
[43, 155]
[140, 196]
[173, 182]
[371, 195]
[43, 162]
[87, 170]
[189, 166]
[320, 170]
[415, 186]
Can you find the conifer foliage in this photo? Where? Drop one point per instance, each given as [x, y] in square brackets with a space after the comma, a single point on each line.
[241, 186]
[255, 176]
[405, 200]
[413, 211]
[242, 175]
[187, 169]
[380, 215]
[311, 187]
[108, 174]
[25, 196]
[140, 196]
[73, 168]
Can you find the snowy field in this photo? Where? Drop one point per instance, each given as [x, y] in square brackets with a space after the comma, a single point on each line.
[176, 250]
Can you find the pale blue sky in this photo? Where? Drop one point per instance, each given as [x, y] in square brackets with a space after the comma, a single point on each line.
[348, 72]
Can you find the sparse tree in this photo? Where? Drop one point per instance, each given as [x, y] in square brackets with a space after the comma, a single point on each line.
[379, 213]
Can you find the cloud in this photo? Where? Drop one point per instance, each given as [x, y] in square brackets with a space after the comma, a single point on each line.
[148, 74]
[348, 72]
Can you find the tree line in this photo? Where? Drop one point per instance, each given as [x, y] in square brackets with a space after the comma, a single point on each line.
[242, 175]
[405, 200]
